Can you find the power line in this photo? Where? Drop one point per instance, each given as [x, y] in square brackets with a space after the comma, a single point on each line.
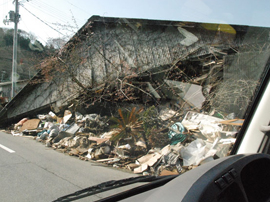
[78, 8]
[49, 7]
[50, 10]
[42, 20]
[40, 1]
[50, 13]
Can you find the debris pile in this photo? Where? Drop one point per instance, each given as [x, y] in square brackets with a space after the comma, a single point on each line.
[160, 105]
[150, 141]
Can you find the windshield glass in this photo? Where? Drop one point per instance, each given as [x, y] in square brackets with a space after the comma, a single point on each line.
[149, 88]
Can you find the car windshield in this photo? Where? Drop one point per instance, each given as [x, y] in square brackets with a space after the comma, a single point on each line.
[130, 88]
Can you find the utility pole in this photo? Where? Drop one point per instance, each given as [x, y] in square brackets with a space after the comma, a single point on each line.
[14, 17]
[15, 43]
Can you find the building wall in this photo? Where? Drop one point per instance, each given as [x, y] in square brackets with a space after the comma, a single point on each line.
[122, 47]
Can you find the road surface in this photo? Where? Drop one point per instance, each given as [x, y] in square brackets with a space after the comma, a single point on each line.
[30, 171]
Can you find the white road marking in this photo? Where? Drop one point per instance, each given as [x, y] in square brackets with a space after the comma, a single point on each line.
[7, 149]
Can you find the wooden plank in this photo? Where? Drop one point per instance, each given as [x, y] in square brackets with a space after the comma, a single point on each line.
[105, 160]
[167, 172]
[234, 122]
[30, 125]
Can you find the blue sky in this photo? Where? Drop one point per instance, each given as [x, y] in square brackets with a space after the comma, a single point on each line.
[58, 14]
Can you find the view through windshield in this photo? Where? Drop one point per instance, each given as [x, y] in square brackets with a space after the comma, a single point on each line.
[145, 96]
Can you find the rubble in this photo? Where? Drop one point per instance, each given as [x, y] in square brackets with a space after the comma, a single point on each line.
[20, 123]
[151, 141]
[176, 133]
[196, 151]
[190, 93]
[29, 124]
[194, 139]
[159, 120]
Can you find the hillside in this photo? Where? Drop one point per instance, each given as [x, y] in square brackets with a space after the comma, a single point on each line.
[30, 53]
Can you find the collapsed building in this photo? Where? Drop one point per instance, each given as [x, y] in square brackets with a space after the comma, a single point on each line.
[184, 69]
[143, 54]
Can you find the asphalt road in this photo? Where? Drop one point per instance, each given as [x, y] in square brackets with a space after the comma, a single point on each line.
[29, 171]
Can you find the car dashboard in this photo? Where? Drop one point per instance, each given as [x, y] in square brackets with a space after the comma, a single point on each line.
[233, 178]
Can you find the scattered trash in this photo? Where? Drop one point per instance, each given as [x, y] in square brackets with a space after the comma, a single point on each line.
[67, 116]
[168, 161]
[196, 151]
[193, 120]
[16, 134]
[167, 172]
[61, 135]
[54, 130]
[109, 134]
[72, 129]
[190, 93]
[166, 114]
[20, 123]
[99, 140]
[186, 140]
[30, 124]
[132, 166]
[176, 133]
[127, 146]
[99, 152]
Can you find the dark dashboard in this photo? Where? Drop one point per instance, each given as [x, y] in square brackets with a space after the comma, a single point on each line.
[233, 178]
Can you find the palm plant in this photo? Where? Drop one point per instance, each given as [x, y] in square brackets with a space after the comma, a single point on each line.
[128, 124]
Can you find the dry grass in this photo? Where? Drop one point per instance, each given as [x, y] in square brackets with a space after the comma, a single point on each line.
[233, 96]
